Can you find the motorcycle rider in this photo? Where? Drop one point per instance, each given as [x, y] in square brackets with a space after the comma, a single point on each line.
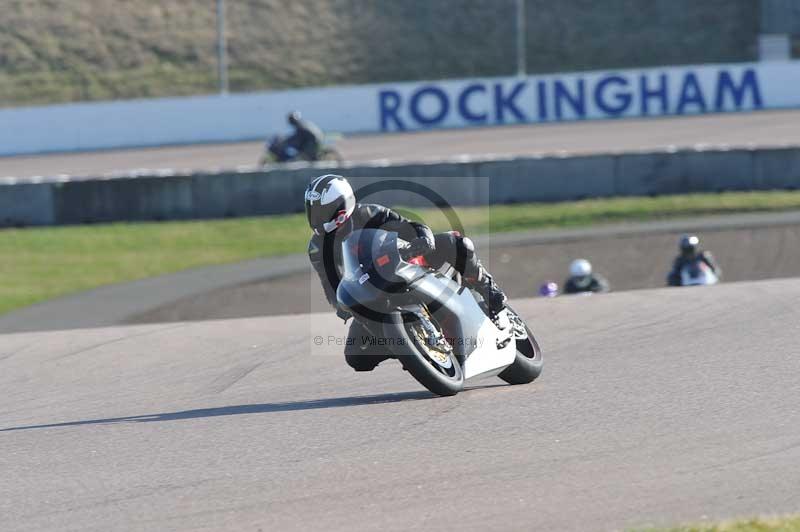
[690, 252]
[333, 214]
[306, 139]
[582, 280]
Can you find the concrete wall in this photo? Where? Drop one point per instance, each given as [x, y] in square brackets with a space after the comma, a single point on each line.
[455, 103]
[471, 182]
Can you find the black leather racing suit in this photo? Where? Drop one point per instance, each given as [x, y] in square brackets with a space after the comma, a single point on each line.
[597, 284]
[306, 139]
[449, 247]
[674, 276]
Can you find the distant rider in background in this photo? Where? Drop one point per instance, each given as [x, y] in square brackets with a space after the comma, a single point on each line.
[690, 252]
[583, 280]
[307, 138]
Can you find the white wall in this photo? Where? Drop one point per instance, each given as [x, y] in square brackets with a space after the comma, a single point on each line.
[404, 106]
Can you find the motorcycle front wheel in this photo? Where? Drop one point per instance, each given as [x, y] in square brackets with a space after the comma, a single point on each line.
[331, 154]
[528, 363]
[433, 364]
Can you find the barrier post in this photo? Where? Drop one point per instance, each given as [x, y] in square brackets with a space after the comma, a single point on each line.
[222, 52]
[521, 67]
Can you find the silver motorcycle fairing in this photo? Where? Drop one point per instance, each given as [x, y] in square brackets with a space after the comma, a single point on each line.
[485, 348]
[379, 286]
[498, 350]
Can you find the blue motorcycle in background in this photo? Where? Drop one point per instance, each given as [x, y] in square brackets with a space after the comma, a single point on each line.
[278, 150]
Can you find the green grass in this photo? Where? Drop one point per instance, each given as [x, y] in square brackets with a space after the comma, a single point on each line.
[778, 524]
[37, 264]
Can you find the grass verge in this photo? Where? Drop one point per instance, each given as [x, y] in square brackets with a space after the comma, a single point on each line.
[37, 264]
[777, 524]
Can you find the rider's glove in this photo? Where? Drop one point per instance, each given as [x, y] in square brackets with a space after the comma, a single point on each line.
[417, 247]
[343, 314]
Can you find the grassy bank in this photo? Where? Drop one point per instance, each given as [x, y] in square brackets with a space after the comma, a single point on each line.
[42, 263]
[778, 524]
[58, 50]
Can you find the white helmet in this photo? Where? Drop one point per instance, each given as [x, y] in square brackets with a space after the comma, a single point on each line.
[330, 201]
[580, 268]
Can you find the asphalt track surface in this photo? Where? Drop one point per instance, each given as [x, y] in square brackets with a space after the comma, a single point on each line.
[655, 407]
[763, 128]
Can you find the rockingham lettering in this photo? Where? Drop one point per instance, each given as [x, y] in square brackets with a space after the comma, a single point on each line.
[612, 96]
[437, 108]
[565, 96]
[569, 97]
[649, 91]
[464, 109]
[748, 86]
[691, 95]
[505, 103]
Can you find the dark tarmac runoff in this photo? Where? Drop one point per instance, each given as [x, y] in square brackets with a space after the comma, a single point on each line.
[633, 256]
[655, 407]
[754, 129]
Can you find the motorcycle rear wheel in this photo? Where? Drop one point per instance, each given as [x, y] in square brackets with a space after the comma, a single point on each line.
[439, 372]
[528, 363]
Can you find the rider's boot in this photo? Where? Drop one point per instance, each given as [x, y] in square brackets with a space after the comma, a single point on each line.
[359, 352]
[483, 283]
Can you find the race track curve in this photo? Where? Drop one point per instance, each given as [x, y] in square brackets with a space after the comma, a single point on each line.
[655, 407]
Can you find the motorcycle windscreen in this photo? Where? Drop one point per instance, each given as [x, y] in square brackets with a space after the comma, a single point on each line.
[370, 259]
[371, 251]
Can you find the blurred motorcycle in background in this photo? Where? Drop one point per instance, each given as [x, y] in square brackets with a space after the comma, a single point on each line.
[277, 150]
[698, 273]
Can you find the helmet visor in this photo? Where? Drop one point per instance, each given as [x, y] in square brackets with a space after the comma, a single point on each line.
[315, 216]
[326, 217]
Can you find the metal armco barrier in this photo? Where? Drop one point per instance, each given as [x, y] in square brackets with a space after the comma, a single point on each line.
[462, 182]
